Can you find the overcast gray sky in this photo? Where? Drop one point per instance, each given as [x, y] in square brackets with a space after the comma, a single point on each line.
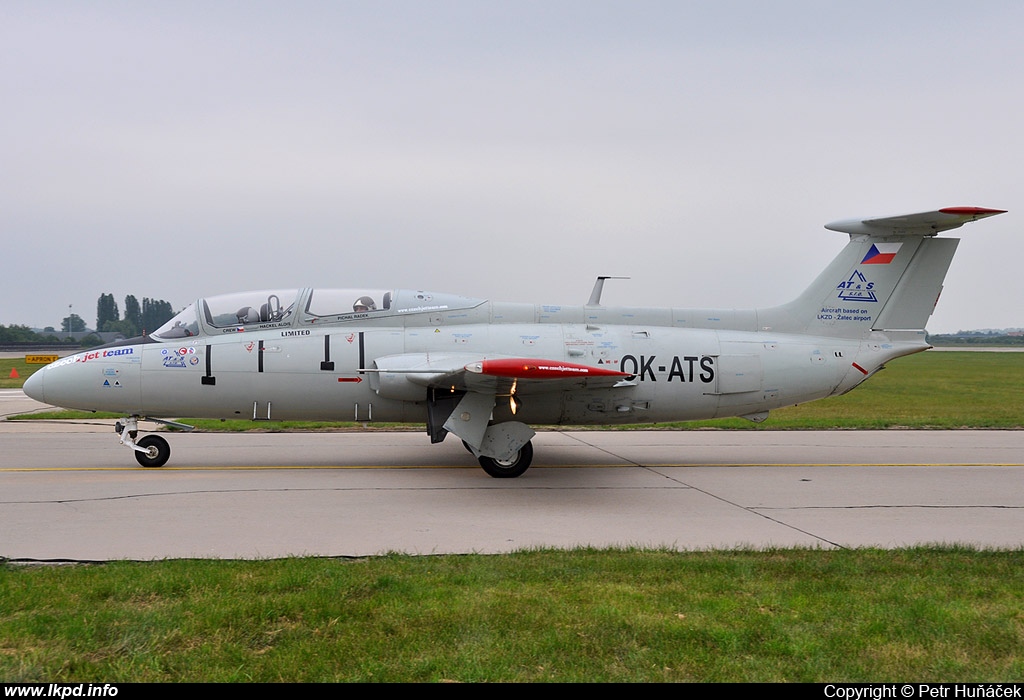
[504, 150]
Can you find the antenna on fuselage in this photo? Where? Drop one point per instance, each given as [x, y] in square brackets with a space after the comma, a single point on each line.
[595, 296]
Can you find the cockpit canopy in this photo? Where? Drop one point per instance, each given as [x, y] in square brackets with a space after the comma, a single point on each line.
[246, 308]
[274, 308]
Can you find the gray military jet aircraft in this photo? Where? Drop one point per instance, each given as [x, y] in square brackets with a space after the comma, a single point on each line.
[485, 370]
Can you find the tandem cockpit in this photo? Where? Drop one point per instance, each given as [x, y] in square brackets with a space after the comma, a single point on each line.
[245, 311]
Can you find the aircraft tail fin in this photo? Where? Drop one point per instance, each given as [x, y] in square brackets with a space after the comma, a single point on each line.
[887, 278]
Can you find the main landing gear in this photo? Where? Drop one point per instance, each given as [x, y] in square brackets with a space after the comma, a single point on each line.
[508, 468]
[150, 451]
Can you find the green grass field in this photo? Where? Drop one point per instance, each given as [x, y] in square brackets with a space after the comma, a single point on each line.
[935, 615]
[19, 365]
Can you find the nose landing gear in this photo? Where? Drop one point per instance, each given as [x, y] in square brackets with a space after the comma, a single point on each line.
[150, 451]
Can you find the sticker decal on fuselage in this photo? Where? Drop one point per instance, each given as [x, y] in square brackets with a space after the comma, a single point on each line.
[113, 352]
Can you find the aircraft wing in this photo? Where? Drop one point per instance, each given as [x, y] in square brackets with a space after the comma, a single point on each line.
[490, 374]
[926, 223]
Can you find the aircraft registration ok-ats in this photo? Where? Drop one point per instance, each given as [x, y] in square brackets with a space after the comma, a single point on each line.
[485, 371]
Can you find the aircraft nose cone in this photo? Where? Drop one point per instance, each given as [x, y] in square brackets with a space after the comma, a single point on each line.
[33, 387]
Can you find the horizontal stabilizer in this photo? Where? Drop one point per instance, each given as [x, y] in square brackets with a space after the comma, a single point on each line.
[887, 278]
[924, 224]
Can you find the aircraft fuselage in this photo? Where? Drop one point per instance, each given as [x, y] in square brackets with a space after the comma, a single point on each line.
[290, 373]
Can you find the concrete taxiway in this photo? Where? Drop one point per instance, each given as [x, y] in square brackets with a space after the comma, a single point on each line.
[70, 491]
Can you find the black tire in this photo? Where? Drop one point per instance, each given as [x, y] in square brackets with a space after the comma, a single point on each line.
[157, 451]
[509, 469]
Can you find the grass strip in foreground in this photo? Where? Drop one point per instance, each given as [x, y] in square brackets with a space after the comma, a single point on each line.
[941, 614]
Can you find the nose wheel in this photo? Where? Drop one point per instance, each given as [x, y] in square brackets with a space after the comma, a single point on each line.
[155, 451]
[150, 451]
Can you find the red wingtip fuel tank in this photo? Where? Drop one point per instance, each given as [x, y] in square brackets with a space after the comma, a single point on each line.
[527, 368]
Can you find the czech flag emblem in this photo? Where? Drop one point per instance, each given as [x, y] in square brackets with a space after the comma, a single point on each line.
[881, 254]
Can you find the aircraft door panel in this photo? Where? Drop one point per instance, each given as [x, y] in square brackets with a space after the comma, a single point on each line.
[758, 376]
[738, 374]
[289, 383]
[311, 377]
[374, 344]
[803, 372]
[197, 380]
[343, 357]
[227, 376]
[366, 348]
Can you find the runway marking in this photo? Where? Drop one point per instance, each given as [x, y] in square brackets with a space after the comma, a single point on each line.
[283, 467]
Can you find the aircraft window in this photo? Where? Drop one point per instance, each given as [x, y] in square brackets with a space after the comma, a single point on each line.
[272, 306]
[336, 302]
[184, 325]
